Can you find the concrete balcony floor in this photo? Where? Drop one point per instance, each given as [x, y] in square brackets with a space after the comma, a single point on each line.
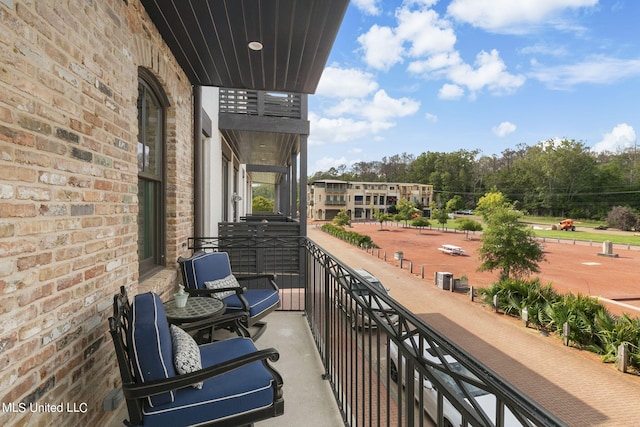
[308, 398]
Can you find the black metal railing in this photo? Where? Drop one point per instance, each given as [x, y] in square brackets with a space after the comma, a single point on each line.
[386, 366]
[370, 344]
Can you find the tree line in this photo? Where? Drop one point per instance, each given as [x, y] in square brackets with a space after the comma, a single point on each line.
[560, 178]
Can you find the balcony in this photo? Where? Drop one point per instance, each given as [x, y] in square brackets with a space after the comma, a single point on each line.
[257, 103]
[337, 369]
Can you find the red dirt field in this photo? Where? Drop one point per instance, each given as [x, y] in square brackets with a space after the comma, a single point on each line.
[567, 266]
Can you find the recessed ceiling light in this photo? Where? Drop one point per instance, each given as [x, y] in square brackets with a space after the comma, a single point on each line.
[255, 45]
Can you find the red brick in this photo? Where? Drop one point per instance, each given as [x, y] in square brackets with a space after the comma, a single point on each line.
[55, 301]
[68, 281]
[14, 210]
[94, 272]
[37, 360]
[15, 173]
[70, 252]
[25, 263]
[54, 271]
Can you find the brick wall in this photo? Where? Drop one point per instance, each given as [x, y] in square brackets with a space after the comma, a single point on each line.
[68, 194]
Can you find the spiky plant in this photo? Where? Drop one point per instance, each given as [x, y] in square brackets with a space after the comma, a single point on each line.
[612, 332]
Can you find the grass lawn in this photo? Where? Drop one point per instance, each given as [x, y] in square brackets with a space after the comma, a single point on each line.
[587, 236]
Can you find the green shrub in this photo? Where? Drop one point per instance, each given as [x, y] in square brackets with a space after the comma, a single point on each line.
[592, 327]
[580, 312]
[514, 295]
[612, 332]
[352, 237]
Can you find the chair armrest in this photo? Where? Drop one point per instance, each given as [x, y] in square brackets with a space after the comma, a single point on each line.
[256, 276]
[270, 277]
[208, 292]
[150, 388]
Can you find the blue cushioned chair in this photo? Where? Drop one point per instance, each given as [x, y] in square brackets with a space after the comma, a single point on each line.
[256, 301]
[240, 387]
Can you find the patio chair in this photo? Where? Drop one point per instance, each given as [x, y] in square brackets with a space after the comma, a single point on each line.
[164, 385]
[210, 274]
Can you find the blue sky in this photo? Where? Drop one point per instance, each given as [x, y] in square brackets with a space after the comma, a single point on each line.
[429, 75]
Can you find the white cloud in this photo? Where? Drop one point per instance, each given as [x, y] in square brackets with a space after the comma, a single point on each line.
[595, 70]
[509, 15]
[421, 29]
[424, 31]
[449, 91]
[438, 64]
[382, 48]
[504, 129]
[345, 107]
[346, 83]
[420, 33]
[384, 107]
[544, 49]
[368, 7]
[381, 107]
[326, 163]
[489, 72]
[431, 117]
[342, 129]
[325, 130]
[622, 136]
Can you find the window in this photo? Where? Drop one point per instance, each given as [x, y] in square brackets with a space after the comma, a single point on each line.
[151, 175]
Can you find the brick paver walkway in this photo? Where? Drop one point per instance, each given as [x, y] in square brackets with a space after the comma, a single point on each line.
[572, 384]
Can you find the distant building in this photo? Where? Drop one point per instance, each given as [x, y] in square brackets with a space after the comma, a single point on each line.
[361, 199]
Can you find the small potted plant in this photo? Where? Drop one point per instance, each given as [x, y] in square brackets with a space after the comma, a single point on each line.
[398, 255]
[181, 297]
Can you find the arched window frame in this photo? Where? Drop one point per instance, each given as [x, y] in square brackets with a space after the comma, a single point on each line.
[152, 176]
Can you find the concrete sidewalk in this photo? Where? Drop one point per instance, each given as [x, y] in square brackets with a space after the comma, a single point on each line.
[572, 384]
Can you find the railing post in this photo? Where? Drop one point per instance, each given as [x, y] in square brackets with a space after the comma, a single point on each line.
[327, 322]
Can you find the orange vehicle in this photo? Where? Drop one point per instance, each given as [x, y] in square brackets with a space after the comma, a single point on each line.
[567, 225]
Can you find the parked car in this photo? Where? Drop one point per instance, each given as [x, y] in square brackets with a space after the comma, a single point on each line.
[452, 417]
[360, 317]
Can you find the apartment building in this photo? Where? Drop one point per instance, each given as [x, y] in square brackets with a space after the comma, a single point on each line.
[361, 199]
